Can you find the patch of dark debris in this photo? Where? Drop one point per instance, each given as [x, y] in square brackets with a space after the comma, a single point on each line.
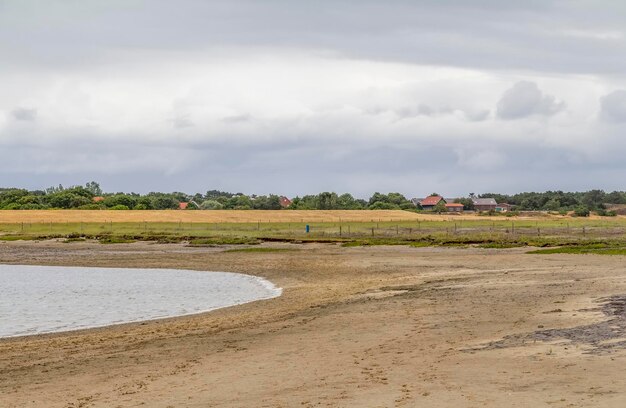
[600, 338]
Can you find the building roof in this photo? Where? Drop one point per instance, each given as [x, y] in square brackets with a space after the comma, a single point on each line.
[454, 205]
[432, 200]
[284, 202]
[97, 199]
[484, 201]
[182, 206]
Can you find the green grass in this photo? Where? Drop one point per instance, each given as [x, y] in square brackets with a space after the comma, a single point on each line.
[501, 245]
[447, 231]
[597, 248]
[18, 238]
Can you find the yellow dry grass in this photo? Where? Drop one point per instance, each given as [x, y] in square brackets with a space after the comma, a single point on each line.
[221, 216]
[251, 216]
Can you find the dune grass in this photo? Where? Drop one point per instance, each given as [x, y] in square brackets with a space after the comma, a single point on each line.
[435, 230]
[596, 248]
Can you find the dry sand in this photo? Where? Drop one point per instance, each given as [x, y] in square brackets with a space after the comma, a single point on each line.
[355, 327]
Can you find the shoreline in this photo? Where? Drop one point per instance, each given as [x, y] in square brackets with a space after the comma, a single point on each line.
[261, 281]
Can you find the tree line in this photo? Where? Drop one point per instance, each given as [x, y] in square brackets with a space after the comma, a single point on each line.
[91, 196]
[560, 201]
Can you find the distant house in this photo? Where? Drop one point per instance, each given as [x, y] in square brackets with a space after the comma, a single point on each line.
[284, 202]
[454, 207]
[183, 206]
[98, 199]
[503, 207]
[431, 202]
[485, 204]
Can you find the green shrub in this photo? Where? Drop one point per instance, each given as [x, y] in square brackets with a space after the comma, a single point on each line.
[119, 207]
[581, 212]
[211, 205]
[604, 213]
[380, 205]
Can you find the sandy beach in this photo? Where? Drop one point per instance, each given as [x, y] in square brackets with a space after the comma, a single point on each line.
[386, 326]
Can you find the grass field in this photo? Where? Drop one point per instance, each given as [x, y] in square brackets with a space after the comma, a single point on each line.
[347, 227]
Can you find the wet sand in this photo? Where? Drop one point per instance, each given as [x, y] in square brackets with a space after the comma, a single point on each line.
[362, 327]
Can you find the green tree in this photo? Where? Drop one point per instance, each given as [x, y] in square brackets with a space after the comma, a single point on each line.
[94, 188]
[552, 205]
[440, 207]
[468, 204]
[211, 205]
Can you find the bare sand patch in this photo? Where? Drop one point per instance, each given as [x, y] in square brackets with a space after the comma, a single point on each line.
[363, 327]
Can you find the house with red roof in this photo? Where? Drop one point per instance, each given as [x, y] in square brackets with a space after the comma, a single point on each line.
[284, 202]
[183, 206]
[454, 207]
[430, 202]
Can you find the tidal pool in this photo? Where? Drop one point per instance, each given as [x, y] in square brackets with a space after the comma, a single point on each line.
[45, 299]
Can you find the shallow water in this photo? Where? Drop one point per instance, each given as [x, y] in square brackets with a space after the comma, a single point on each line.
[44, 299]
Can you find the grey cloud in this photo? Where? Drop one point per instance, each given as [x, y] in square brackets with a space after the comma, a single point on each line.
[413, 169]
[182, 122]
[237, 118]
[24, 114]
[533, 35]
[613, 106]
[407, 112]
[477, 116]
[411, 112]
[525, 99]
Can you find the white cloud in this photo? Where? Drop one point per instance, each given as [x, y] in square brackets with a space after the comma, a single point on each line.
[604, 35]
[525, 99]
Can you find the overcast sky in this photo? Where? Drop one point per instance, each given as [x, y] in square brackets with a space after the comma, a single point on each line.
[296, 97]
